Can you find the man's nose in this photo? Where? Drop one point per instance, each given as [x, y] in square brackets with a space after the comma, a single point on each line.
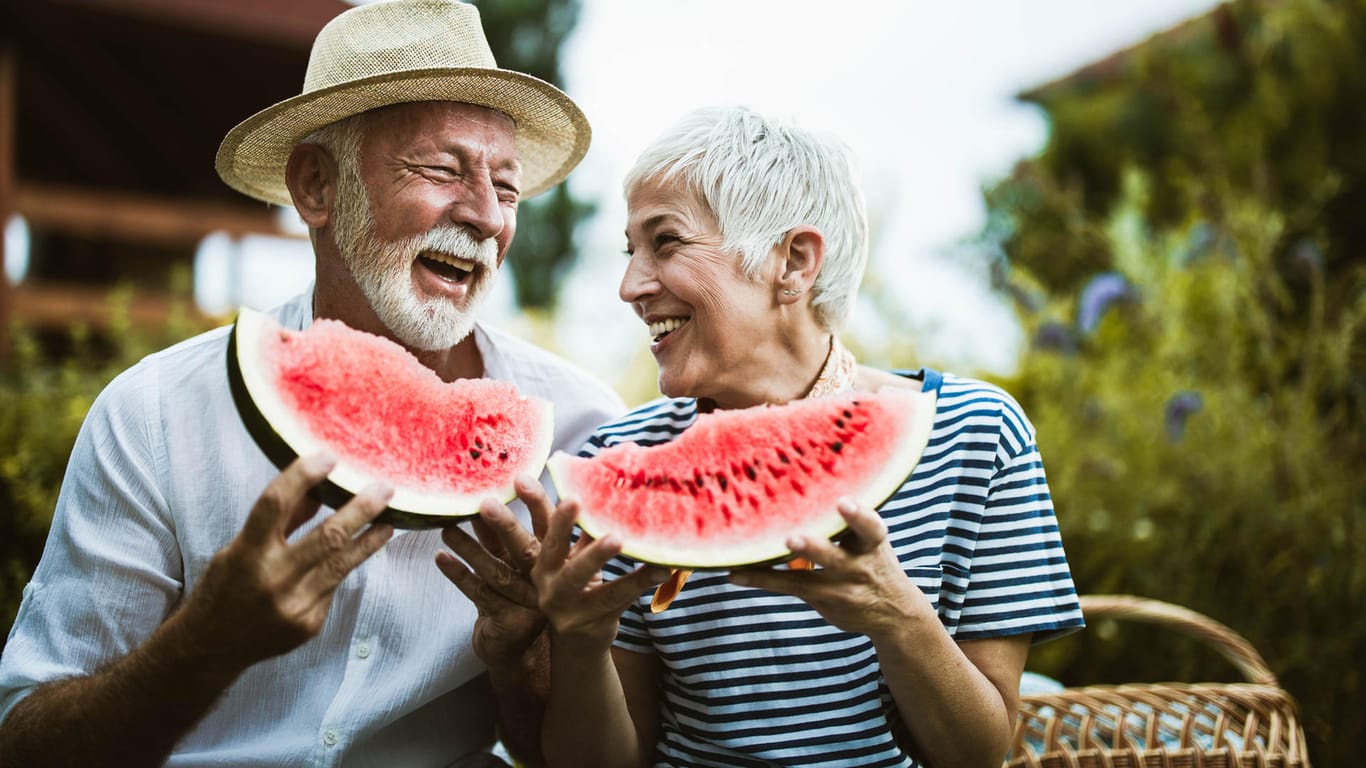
[479, 209]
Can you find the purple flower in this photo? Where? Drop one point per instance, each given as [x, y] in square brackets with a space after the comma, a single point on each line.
[1098, 295]
[1180, 407]
[1055, 336]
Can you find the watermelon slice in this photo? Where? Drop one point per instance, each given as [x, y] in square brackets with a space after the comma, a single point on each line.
[385, 416]
[736, 484]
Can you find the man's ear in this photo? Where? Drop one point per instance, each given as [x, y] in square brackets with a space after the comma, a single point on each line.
[803, 249]
[311, 176]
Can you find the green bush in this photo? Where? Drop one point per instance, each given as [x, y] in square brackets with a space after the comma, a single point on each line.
[1204, 442]
[46, 386]
[1204, 435]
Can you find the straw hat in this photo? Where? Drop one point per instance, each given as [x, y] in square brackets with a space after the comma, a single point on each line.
[399, 51]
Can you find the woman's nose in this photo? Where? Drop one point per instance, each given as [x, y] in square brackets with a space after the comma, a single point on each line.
[639, 281]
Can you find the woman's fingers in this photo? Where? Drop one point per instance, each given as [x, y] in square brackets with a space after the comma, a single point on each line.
[555, 544]
[537, 502]
[867, 529]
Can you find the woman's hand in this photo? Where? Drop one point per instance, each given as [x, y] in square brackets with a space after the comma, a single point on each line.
[857, 585]
[582, 608]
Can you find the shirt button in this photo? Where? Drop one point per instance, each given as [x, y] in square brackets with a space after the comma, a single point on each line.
[363, 650]
[329, 737]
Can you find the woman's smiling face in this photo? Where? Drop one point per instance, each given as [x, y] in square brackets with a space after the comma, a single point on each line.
[706, 317]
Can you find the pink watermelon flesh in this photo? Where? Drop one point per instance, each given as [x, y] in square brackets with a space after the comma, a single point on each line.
[736, 484]
[380, 409]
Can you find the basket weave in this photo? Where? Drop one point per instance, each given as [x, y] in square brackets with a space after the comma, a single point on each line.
[1203, 725]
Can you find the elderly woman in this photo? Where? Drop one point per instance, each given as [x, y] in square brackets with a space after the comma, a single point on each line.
[905, 645]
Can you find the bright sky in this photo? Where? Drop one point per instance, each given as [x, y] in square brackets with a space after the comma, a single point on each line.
[922, 91]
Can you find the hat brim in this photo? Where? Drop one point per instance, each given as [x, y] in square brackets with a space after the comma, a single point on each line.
[552, 133]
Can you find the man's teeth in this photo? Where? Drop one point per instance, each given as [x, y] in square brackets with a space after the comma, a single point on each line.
[446, 258]
[660, 328]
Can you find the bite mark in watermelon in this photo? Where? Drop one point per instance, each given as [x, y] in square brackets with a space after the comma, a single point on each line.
[737, 484]
[444, 446]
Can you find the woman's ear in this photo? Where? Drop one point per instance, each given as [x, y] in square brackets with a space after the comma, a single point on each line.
[311, 175]
[803, 251]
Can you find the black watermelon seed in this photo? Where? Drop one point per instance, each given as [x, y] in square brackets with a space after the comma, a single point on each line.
[474, 454]
[836, 446]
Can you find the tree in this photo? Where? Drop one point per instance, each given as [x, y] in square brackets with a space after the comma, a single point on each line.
[1189, 255]
[526, 35]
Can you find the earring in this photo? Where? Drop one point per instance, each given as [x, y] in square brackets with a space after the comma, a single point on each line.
[788, 292]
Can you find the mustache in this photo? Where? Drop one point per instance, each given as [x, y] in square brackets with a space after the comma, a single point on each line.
[458, 242]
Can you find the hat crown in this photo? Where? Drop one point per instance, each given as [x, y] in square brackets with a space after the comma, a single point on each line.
[396, 36]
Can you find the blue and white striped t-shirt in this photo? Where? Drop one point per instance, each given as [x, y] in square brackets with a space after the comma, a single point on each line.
[752, 678]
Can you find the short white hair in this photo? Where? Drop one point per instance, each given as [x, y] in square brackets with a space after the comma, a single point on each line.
[762, 177]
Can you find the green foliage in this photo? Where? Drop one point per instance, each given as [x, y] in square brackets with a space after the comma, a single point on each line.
[44, 396]
[1204, 428]
[1265, 96]
[526, 35]
[1203, 452]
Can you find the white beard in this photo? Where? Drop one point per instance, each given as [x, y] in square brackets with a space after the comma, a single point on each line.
[383, 270]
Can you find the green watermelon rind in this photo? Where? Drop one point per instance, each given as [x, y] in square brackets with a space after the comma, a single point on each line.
[828, 525]
[283, 439]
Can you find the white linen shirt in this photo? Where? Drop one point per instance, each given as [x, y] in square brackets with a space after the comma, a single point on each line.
[162, 476]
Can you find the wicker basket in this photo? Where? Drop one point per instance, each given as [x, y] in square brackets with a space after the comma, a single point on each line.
[1204, 725]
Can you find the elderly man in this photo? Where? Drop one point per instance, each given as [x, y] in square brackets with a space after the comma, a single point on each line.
[181, 614]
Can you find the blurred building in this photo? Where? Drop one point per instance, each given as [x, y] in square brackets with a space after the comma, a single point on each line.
[111, 112]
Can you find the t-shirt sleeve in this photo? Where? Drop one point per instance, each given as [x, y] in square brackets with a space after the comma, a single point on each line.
[1020, 580]
[109, 574]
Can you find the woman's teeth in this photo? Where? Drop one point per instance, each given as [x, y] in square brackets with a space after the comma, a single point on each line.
[661, 328]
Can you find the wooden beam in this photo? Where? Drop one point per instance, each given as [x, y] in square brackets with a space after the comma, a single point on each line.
[293, 23]
[62, 305]
[123, 216]
[8, 102]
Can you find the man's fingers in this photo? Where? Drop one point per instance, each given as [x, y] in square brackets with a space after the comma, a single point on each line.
[284, 505]
[459, 575]
[479, 591]
[337, 533]
[325, 575]
[503, 535]
[495, 573]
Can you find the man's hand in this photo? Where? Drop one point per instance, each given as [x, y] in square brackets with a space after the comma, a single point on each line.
[263, 595]
[495, 574]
